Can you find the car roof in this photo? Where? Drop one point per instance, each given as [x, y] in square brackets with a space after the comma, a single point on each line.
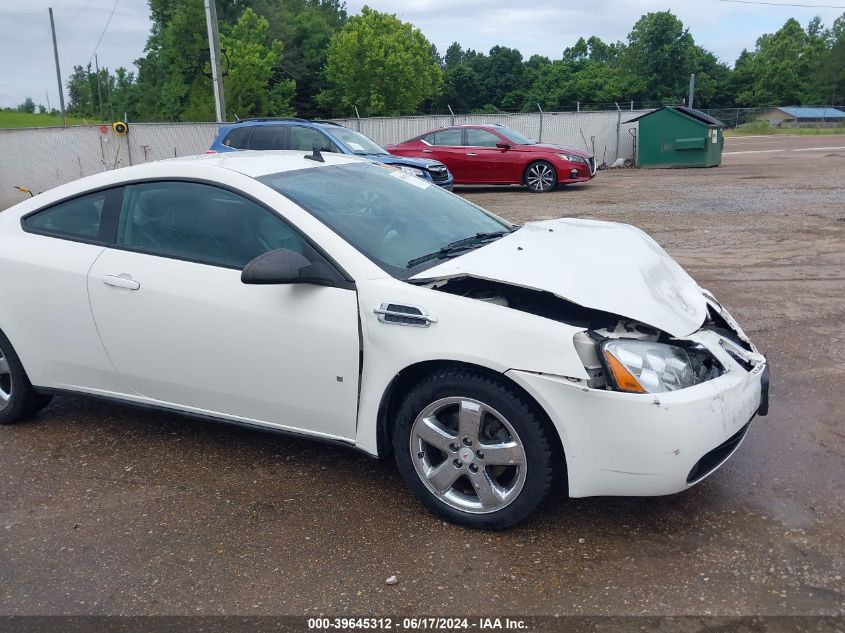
[279, 121]
[257, 163]
[253, 164]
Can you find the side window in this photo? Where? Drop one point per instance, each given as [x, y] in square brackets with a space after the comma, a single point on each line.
[268, 137]
[201, 223]
[306, 138]
[79, 218]
[428, 138]
[237, 138]
[481, 138]
[450, 137]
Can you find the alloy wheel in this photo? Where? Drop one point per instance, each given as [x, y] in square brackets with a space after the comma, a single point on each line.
[540, 177]
[468, 455]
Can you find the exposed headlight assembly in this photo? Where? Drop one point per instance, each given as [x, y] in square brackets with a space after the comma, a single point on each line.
[412, 170]
[646, 367]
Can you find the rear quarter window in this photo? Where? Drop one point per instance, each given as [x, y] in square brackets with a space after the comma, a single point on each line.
[78, 219]
[238, 138]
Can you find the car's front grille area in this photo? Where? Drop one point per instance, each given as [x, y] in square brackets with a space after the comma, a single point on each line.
[439, 173]
[713, 459]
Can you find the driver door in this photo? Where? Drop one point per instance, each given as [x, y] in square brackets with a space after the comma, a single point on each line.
[182, 330]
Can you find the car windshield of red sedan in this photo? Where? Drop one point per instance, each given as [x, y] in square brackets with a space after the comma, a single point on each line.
[515, 137]
[401, 222]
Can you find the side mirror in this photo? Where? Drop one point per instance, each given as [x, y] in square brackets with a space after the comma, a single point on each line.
[281, 266]
[284, 266]
[503, 145]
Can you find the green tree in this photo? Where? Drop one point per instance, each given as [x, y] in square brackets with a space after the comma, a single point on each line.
[787, 67]
[831, 75]
[27, 106]
[379, 64]
[305, 28]
[660, 52]
[250, 89]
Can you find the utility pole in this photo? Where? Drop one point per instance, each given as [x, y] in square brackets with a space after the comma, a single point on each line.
[58, 72]
[691, 90]
[214, 54]
[99, 94]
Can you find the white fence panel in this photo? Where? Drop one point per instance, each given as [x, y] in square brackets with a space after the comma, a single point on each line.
[42, 158]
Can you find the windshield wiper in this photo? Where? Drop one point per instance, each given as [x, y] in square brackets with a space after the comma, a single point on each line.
[458, 246]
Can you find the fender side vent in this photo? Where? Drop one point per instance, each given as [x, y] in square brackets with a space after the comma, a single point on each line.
[398, 314]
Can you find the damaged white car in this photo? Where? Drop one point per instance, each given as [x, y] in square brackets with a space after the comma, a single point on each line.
[331, 297]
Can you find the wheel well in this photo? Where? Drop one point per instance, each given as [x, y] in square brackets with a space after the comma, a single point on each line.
[539, 160]
[392, 399]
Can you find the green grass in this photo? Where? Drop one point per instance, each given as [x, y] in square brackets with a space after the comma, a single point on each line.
[22, 119]
[763, 127]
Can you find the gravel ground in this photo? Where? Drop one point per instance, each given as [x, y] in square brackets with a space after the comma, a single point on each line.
[106, 509]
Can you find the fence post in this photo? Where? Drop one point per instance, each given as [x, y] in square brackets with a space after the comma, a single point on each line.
[618, 127]
[540, 136]
[452, 112]
[128, 142]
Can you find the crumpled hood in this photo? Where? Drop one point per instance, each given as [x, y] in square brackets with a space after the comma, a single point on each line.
[605, 266]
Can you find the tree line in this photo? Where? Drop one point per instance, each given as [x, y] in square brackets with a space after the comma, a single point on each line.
[312, 59]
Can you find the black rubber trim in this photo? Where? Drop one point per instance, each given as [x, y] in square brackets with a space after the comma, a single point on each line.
[764, 392]
[714, 458]
[204, 417]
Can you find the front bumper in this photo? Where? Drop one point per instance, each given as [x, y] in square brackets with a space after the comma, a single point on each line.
[650, 444]
[570, 172]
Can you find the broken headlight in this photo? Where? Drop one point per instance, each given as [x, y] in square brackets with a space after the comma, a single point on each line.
[648, 367]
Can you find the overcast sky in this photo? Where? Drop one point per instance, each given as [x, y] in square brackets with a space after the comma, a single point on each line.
[26, 55]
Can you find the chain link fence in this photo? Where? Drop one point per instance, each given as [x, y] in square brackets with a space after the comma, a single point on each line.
[42, 158]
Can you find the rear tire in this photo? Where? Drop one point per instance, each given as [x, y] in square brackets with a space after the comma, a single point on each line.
[18, 399]
[473, 449]
[540, 177]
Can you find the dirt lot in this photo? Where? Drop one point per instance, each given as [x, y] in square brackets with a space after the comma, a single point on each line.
[105, 509]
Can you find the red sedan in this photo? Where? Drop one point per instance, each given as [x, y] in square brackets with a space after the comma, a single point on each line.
[496, 155]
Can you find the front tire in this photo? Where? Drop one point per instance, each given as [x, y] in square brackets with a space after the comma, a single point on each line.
[473, 449]
[540, 177]
[18, 400]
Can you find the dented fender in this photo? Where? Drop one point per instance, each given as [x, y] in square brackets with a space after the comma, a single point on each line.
[466, 330]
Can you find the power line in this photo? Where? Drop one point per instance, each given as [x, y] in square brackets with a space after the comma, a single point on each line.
[785, 4]
[105, 28]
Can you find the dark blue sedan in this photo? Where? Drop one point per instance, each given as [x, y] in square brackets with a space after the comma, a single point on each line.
[299, 134]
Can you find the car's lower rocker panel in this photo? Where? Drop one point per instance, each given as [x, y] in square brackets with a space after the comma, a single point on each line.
[257, 426]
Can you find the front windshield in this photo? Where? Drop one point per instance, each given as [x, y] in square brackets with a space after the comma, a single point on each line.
[357, 142]
[392, 217]
[515, 137]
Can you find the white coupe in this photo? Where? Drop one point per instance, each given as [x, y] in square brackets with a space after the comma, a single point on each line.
[334, 298]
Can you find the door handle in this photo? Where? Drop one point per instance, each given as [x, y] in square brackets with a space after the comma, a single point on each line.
[118, 281]
[472, 154]
[428, 151]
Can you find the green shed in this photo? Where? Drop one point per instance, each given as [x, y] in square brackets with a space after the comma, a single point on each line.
[677, 136]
